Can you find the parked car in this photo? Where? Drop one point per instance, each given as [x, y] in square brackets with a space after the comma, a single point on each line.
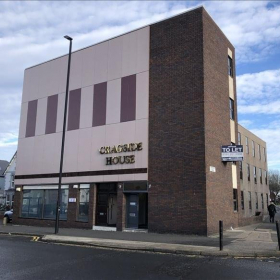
[9, 215]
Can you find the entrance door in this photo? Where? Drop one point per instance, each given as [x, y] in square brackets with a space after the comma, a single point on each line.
[112, 209]
[101, 209]
[106, 204]
[132, 210]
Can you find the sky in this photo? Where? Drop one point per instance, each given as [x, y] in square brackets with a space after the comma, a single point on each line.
[32, 32]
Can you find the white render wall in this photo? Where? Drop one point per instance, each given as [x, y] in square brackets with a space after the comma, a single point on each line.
[108, 61]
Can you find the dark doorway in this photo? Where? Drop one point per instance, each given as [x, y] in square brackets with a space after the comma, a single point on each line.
[106, 204]
[137, 211]
[132, 210]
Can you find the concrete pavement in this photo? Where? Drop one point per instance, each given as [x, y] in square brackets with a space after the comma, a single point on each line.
[250, 241]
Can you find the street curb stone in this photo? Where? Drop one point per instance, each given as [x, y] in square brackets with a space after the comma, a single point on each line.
[154, 247]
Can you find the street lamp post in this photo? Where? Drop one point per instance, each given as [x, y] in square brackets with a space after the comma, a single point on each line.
[63, 138]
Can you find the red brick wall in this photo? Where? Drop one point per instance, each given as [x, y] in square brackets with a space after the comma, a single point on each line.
[177, 197]
[217, 126]
[121, 209]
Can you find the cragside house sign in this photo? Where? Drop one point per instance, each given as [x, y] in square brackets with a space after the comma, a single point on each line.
[123, 148]
[232, 153]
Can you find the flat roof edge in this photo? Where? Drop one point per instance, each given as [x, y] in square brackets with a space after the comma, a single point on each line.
[133, 30]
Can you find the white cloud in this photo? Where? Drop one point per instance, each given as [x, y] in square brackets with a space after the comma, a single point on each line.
[253, 27]
[271, 135]
[264, 84]
[259, 92]
[245, 123]
[266, 108]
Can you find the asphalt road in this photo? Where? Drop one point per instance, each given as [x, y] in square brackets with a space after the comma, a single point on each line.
[22, 259]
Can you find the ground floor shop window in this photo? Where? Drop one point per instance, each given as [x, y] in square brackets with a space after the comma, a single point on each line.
[41, 204]
[83, 203]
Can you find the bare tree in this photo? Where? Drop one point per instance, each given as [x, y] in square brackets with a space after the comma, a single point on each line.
[274, 182]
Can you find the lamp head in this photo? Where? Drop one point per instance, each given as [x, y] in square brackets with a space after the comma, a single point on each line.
[68, 37]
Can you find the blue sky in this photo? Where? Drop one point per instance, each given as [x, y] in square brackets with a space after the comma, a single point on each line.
[32, 32]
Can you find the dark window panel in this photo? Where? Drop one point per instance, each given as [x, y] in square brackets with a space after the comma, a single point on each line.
[99, 104]
[51, 114]
[31, 118]
[74, 109]
[128, 98]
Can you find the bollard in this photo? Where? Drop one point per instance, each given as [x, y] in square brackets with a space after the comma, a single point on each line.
[4, 221]
[278, 234]
[221, 234]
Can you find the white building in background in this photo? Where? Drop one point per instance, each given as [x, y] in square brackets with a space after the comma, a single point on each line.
[9, 188]
[3, 166]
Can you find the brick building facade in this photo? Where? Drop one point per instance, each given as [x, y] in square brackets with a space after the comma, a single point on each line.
[148, 114]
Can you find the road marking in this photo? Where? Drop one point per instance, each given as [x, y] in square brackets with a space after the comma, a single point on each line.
[35, 238]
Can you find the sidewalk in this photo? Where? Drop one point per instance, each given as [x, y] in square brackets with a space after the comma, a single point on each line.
[258, 240]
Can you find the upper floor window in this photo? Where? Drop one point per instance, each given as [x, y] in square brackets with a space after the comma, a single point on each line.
[250, 200]
[257, 201]
[241, 171]
[235, 203]
[262, 201]
[264, 157]
[239, 138]
[230, 66]
[267, 199]
[247, 146]
[248, 171]
[242, 200]
[265, 177]
[259, 150]
[231, 109]
[260, 170]
[253, 148]
[255, 174]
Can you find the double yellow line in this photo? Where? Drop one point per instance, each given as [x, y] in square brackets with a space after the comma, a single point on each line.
[35, 238]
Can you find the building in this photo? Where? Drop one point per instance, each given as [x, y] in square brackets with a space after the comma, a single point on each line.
[9, 188]
[253, 172]
[148, 113]
[3, 165]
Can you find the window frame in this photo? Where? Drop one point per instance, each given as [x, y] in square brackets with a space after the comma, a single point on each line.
[231, 109]
[42, 215]
[235, 200]
[248, 172]
[242, 200]
[239, 138]
[83, 218]
[230, 66]
[247, 144]
[255, 174]
[250, 200]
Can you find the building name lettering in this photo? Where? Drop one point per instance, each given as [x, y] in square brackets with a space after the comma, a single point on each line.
[121, 148]
[129, 159]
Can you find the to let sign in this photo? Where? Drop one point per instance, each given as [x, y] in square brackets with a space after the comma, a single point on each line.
[232, 153]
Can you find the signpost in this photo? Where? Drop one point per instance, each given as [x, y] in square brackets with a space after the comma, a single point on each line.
[232, 153]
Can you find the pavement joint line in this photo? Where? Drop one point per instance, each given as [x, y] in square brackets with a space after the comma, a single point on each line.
[20, 234]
